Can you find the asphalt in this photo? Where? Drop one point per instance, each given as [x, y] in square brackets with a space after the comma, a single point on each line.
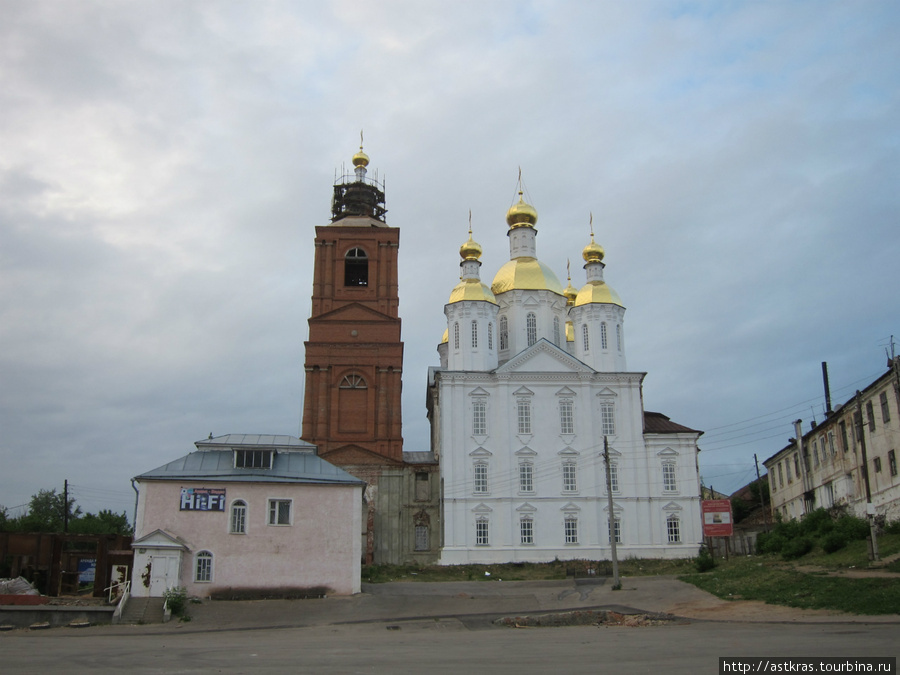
[477, 604]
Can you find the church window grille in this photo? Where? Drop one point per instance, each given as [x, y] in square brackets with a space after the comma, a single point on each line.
[203, 567]
[523, 410]
[455, 336]
[604, 343]
[526, 530]
[353, 381]
[618, 337]
[479, 417]
[421, 537]
[566, 416]
[526, 478]
[617, 528]
[490, 336]
[570, 479]
[585, 338]
[668, 473]
[481, 478]
[504, 333]
[556, 330]
[607, 419]
[238, 520]
[673, 529]
[356, 268]
[474, 335]
[571, 529]
[531, 326]
[482, 533]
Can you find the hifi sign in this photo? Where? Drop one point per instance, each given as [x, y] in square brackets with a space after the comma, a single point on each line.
[202, 499]
[717, 520]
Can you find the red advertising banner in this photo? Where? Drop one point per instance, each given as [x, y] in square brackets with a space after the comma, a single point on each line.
[717, 520]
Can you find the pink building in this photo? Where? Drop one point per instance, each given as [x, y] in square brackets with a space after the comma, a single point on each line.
[249, 513]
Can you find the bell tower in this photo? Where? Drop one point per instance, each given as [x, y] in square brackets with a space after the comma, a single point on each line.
[354, 355]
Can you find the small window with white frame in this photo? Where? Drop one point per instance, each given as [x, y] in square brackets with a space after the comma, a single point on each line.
[607, 418]
[523, 414]
[673, 529]
[570, 476]
[238, 520]
[531, 327]
[203, 567]
[482, 531]
[668, 474]
[614, 477]
[566, 416]
[479, 417]
[526, 477]
[279, 512]
[481, 478]
[526, 530]
[617, 524]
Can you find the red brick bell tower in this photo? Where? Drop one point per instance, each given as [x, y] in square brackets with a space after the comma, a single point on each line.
[354, 355]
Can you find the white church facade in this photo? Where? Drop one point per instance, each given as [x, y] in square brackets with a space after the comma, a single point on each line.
[532, 384]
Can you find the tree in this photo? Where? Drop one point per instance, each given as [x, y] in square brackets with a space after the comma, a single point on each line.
[105, 522]
[47, 511]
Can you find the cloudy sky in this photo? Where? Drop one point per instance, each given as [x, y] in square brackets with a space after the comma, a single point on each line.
[163, 166]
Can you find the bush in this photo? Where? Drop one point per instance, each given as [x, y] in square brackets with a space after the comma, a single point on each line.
[770, 542]
[834, 541]
[892, 527]
[704, 561]
[817, 522]
[852, 528]
[796, 548]
[176, 599]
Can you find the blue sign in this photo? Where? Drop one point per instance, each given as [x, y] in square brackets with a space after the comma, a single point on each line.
[202, 499]
[87, 570]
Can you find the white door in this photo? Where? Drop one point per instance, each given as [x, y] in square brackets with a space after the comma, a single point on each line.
[164, 573]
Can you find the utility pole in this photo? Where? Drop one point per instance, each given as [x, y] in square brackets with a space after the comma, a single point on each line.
[870, 508]
[66, 505]
[616, 585]
[762, 494]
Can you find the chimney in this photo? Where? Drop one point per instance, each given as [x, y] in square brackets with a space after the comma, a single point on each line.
[828, 410]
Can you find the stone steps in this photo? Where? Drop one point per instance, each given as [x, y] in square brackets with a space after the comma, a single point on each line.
[143, 610]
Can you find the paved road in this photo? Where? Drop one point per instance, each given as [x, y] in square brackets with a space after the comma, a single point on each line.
[446, 628]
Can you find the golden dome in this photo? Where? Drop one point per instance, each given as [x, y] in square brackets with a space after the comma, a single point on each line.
[521, 214]
[446, 338]
[360, 158]
[527, 274]
[570, 292]
[471, 250]
[597, 292]
[593, 252]
[471, 289]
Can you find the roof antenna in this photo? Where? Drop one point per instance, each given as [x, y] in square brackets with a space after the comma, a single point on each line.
[210, 436]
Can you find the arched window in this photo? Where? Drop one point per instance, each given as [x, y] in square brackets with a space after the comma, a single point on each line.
[585, 337]
[456, 335]
[668, 474]
[571, 528]
[238, 520]
[482, 532]
[356, 268]
[603, 342]
[556, 330]
[531, 326]
[490, 336]
[526, 530]
[352, 398]
[474, 335]
[203, 567]
[504, 333]
[618, 337]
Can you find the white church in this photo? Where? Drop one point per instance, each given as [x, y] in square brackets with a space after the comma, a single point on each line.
[532, 380]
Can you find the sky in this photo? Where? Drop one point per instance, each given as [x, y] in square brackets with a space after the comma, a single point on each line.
[163, 167]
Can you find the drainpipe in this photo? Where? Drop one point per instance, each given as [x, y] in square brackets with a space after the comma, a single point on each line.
[134, 521]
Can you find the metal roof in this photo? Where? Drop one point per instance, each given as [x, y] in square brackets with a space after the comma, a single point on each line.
[256, 440]
[218, 465]
[657, 423]
[419, 458]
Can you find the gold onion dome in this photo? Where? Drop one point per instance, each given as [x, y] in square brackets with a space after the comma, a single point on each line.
[446, 337]
[593, 252]
[570, 292]
[360, 158]
[525, 273]
[471, 289]
[471, 250]
[521, 214]
[597, 292]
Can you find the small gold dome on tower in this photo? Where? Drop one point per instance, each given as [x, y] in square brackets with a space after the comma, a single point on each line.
[471, 250]
[571, 293]
[360, 158]
[521, 214]
[593, 252]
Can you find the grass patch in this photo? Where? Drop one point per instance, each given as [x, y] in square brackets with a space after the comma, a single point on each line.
[781, 584]
[556, 570]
